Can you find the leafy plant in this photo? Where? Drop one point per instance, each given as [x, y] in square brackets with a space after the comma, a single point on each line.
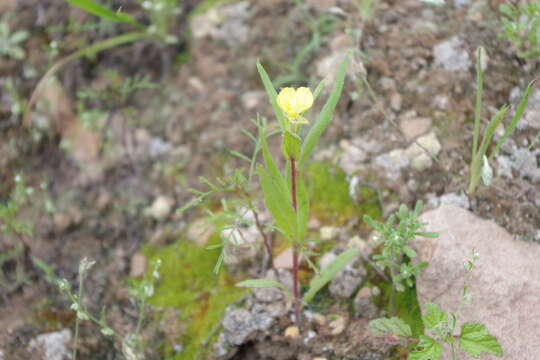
[440, 328]
[479, 167]
[396, 254]
[11, 43]
[159, 11]
[12, 226]
[132, 347]
[521, 25]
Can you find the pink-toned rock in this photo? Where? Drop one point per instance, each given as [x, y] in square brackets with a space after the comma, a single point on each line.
[284, 259]
[413, 127]
[504, 284]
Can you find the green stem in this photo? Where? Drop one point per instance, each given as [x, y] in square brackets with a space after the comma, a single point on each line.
[79, 305]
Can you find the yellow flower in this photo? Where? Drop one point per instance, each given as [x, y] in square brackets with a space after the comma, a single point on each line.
[293, 102]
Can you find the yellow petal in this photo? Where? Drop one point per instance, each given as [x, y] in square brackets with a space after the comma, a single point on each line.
[304, 99]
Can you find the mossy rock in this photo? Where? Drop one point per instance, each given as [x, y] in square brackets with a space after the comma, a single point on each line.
[188, 284]
[330, 199]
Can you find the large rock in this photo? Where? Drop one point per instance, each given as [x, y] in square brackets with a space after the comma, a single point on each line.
[504, 284]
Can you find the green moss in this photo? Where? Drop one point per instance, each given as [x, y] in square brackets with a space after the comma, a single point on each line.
[330, 199]
[188, 284]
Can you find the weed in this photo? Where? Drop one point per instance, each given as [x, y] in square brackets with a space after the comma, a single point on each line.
[521, 25]
[396, 255]
[440, 327]
[11, 42]
[480, 167]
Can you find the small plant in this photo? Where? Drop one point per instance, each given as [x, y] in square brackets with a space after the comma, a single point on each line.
[285, 193]
[480, 161]
[11, 43]
[440, 327]
[521, 25]
[396, 255]
[132, 347]
[12, 226]
[160, 11]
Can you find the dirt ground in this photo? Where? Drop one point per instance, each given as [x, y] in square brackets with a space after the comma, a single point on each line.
[95, 187]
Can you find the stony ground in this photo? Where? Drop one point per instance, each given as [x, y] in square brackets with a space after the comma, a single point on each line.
[108, 173]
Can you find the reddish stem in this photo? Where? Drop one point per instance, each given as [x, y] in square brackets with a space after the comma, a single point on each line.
[296, 282]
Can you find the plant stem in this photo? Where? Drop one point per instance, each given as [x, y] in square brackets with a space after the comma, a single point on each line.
[296, 284]
[79, 304]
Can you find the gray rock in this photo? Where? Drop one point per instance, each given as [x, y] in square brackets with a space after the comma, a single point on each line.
[364, 305]
[451, 55]
[51, 346]
[237, 326]
[456, 199]
[345, 283]
[522, 160]
[504, 284]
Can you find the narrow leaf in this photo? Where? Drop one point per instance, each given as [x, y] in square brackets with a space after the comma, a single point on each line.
[303, 208]
[515, 119]
[476, 339]
[389, 326]
[325, 116]
[328, 273]
[101, 11]
[261, 283]
[272, 95]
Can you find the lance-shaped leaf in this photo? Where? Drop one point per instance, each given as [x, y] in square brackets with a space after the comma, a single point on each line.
[279, 204]
[325, 116]
[328, 273]
[101, 11]
[272, 95]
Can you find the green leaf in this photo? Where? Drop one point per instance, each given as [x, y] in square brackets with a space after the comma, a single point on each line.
[272, 95]
[389, 326]
[303, 207]
[261, 284]
[270, 163]
[328, 273]
[291, 145]
[475, 339]
[101, 11]
[325, 116]
[279, 204]
[515, 119]
[434, 316]
[409, 252]
[427, 349]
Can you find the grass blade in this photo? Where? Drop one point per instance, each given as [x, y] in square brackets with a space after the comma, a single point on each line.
[479, 94]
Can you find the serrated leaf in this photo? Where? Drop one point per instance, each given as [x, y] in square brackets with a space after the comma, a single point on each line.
[279, 204]
[328, 273]
[427, 349]
[325, 116]
[389, 326]
[487, 171]
[475, 339]
[434, 316]
[101, 11]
